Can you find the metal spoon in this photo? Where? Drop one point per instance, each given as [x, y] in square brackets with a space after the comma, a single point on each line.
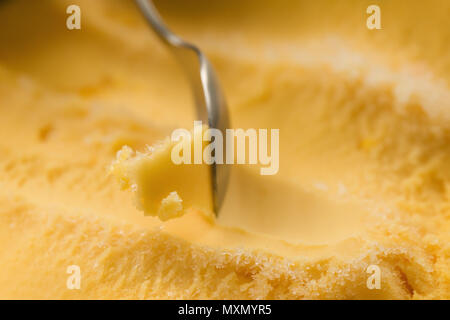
[209, 99]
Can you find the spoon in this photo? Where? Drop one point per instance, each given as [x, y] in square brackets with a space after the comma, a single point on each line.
[209, 99]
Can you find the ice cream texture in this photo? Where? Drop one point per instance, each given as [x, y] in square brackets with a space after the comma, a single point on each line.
[364, 174]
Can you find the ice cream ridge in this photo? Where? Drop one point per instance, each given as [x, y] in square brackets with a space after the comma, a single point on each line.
[359, 207]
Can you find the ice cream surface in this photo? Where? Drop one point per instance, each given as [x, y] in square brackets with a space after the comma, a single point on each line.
[364, 176]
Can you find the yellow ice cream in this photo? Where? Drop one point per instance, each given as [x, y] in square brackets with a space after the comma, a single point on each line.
[364, 151]
[162, 187]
